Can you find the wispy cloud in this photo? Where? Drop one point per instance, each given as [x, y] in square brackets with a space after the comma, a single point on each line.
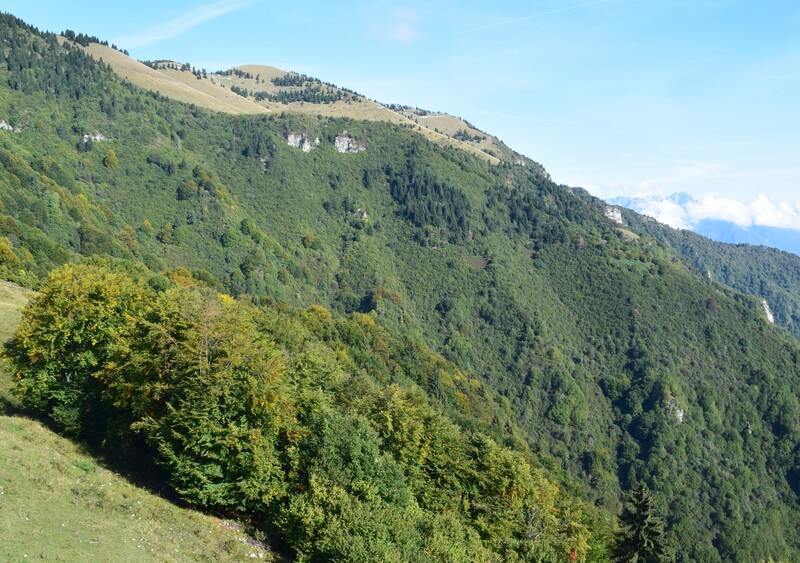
[536, 15]
[401, 27]
[183, 23]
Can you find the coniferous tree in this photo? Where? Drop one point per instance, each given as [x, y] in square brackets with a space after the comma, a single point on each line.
[641, 537]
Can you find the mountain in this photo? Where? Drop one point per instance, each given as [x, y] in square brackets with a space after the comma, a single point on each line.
[676, 210]
[371, 343]
[769, 274]
[260, 89]
[723, 231]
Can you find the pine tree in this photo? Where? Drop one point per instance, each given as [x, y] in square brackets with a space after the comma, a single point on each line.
[641, 537]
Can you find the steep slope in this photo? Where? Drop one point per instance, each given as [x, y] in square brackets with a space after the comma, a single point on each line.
[766, 273]
[616, 360]
[60, 503]
[12, 299]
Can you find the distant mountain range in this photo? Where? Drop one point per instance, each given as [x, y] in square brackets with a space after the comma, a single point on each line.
[674, 210]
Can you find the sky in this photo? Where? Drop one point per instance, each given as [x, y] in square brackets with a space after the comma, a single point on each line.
[621, 97]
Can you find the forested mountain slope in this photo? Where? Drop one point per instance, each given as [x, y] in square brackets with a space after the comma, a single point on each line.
[770, 274]
[594, 355]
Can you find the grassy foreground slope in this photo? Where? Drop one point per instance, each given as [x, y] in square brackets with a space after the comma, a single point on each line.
[58, 503]
[12, 299]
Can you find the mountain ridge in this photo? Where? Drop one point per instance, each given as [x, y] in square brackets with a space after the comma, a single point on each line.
[203, 91]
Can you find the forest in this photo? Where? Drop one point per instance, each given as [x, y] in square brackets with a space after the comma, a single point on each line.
[405, 353]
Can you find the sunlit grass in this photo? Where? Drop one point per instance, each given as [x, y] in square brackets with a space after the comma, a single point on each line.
[59, 504]
[185, 87]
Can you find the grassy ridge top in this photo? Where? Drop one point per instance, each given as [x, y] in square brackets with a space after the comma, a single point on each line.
[198, 92]
[214, 92]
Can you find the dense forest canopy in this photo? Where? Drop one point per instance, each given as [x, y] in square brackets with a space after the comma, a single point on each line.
[464, 361]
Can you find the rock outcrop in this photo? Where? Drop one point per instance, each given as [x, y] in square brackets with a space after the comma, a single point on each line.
[614, 214]
[345, 143]
[300, 141]
[768, 311]
[674, 409]
[7, 127]
[94, 137]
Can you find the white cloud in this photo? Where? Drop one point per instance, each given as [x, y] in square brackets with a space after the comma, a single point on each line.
[183, 23]
[782, 214]
[667, 212]
[724, 209]
[401, 27]
[760, 211]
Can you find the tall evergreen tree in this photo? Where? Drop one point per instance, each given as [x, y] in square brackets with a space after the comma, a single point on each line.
[641, 537]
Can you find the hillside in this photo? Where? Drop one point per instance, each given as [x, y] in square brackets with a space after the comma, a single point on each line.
[353, 286]
[213, 91]
[60, 503]
[767, 273]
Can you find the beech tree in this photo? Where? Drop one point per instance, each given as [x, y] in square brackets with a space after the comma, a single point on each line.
[67, 338]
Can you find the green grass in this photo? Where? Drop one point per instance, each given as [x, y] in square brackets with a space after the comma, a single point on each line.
[57, 503]
[636, 265]
[627, 234]
[12, 299]
[476, 262]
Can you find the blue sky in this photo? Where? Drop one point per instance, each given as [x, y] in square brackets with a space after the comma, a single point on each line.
[622, 97]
